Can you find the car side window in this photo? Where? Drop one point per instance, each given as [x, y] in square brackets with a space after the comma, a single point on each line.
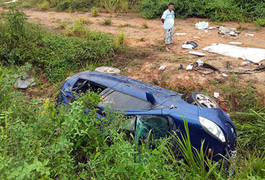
[153, 126]
[82, 85]
[120, 100]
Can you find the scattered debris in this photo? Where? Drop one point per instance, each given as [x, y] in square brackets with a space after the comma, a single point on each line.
[244, 70]
[216, 95]
[206, 31]
[211, 28]
[228, 30]
[189, 67]
[181, 66]
[204, 68]
[197, 53]
[201, 25]
[198, 63]
[228, 65]
[11, 1]
[189, 45]
[252, 54]
[224, 75]
[162, 68]
[236, 43]
[153, 66]
[24, 82]
[106, 69]
[180, 34]
[251, 35]
[245, 63]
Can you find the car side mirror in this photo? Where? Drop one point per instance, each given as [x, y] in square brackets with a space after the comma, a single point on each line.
[150, 97]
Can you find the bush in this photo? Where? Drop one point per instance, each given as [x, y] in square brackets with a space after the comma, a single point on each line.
[73, 5]
[153, 8]
[217, 10]
[94, 11]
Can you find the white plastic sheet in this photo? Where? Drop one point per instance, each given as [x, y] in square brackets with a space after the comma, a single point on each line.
[202, 25]
[252, 54]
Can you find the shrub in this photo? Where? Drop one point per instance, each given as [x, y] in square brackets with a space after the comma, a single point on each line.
[94, 11]
[73, 5]
[115, 5]
[216, 10]
[145, 25]
[106, 21]
[44, 6]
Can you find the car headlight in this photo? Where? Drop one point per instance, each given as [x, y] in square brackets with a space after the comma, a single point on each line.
[212, 128]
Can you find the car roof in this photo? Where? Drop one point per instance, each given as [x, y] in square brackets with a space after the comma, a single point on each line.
[130, 86]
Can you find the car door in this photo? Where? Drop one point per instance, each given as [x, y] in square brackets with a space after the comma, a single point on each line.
[152, 127]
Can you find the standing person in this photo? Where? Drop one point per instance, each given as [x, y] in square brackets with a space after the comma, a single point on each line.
[168, 23]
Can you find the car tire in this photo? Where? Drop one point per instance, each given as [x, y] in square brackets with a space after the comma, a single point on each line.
[202, 100]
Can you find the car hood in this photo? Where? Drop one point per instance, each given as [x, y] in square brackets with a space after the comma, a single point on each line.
[216, 115]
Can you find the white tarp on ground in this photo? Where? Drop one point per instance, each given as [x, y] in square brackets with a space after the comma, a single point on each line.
[10, 1]
[252, 54]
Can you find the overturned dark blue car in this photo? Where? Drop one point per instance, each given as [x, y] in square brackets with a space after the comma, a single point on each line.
[158, 109]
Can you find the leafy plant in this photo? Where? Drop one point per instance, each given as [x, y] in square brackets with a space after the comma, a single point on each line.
[115, 5]
[145, 25]
[124, 25]
[106, 21]
[94, 12]
[121, 37]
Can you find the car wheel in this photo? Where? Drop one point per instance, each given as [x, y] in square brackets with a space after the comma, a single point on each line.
[202, 100]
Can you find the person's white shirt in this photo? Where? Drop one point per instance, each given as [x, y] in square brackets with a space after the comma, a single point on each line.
[168, 19]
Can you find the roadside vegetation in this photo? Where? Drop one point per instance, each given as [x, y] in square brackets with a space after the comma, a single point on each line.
[39, 141]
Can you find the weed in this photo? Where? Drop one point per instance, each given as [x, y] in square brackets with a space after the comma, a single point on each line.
[145, 25]
[94, 12]
[161, 48]
[106, 21]
[241, 27]
[214, 81]
[63, 24]
[121, 38]
[44, 6]
[240, 97]
[177, 59]
[124, 25]
[86, 21]
[142, 39]
[115, 5]
[78, 29]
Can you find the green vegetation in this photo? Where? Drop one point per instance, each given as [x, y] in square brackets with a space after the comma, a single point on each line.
[22, 42]
[145, 25]
[94, 12]
[106, 21]
[217, 10]
[124, 25]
